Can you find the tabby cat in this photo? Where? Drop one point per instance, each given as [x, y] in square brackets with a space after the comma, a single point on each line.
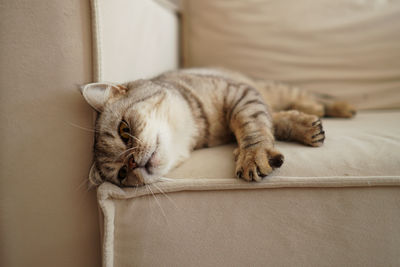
[145, 128]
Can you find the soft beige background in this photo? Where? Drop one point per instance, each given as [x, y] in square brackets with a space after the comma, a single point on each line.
[347, 48]
[47, 218]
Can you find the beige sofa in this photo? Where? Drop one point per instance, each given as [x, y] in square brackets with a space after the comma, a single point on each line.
[337, 205]
[47, 216]
[329, 206]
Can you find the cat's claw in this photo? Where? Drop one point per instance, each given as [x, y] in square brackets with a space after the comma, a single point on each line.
[255, 163]
[314, 134]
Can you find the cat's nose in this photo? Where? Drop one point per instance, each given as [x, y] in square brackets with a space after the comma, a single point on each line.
[131, 163]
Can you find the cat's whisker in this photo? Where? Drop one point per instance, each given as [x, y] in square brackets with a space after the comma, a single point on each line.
[82, 128]
[129, 149]
[81, 184]
[162, 192]
[134, 137]
[164, 179]
[91, 186]
[130, 154]
[149, 203]
[158, 203]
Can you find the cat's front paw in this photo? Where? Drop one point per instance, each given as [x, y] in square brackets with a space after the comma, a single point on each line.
[313, 132]
[253, 164]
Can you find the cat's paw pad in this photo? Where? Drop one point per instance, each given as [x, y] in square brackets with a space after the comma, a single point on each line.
[255, 163]
[341, 109]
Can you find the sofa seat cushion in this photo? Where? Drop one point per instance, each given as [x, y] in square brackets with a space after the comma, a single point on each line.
[328, 206]
[362, 150]
[352, 226]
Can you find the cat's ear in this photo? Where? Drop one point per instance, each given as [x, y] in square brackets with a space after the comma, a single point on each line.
[99, 94]
[94, 176]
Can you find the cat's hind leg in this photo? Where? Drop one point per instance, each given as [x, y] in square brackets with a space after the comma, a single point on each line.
[308, 106]
[339, 109]
[285, 97]
[293, 125]
[323, 106]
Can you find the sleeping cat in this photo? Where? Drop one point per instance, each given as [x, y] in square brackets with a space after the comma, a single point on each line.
[147, 127]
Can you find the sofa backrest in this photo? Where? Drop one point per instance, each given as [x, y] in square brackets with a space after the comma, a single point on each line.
[47, 215]
[133, 39]
[350, 49]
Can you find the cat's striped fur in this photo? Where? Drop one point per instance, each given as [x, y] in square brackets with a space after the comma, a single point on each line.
[165, 118]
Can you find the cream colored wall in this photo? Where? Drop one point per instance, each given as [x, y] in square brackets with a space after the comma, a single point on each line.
[47, 218]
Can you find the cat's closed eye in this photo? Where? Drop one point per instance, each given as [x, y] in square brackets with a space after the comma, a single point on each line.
[124, 131]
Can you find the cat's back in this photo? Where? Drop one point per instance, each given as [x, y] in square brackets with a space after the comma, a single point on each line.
[204, 75]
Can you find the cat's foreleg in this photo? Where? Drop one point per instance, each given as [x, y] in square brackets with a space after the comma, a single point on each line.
[251, 122]
[293, 125]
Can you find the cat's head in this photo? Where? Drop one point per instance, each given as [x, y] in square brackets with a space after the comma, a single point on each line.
[131, 133]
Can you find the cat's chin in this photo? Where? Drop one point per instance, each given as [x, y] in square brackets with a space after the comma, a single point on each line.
[145, 179]
[157, 172]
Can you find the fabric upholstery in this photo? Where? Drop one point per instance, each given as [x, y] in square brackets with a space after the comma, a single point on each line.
[266, 227]
[47, 215]
[328, 206]
[366, 146]
[346, 48]
[133, 39]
